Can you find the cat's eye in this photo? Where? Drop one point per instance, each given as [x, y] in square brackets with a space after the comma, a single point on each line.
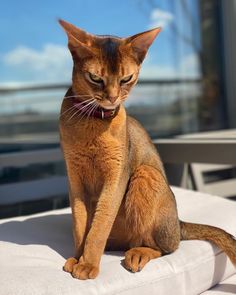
[126, 79]
[95, 78]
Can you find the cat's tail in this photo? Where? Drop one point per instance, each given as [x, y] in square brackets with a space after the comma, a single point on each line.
[225, 241]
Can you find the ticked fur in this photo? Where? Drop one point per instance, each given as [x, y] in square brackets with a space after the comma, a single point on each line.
[119, 194]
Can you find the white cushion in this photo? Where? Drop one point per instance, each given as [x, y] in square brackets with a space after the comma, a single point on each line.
[33, 250]
[226, 287]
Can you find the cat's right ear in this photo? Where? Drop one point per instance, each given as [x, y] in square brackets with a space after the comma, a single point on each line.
[141, 42]
[79, 41]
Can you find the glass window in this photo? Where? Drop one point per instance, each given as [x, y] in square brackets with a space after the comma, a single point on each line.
[181, 88]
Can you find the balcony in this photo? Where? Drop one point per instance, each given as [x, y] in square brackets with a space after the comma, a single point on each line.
[32, 172]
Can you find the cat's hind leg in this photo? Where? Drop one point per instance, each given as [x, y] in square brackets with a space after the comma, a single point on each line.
[151, 218]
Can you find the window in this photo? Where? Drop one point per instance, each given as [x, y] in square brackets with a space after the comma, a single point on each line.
[182, 85]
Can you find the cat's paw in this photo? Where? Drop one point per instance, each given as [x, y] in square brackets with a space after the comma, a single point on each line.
[70, 262]
[84, 271]
[137, 258]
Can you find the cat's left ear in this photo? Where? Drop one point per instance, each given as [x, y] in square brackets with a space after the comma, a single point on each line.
[141, 42]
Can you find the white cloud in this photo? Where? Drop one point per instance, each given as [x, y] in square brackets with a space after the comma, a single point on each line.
[52, 62]
[188, 68]
[160, 18]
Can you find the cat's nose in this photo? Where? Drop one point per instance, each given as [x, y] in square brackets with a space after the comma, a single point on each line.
[113, 99]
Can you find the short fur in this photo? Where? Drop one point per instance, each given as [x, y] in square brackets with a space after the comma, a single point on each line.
[119, 194]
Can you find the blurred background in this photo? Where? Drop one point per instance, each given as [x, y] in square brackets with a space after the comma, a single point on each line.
[186, 85]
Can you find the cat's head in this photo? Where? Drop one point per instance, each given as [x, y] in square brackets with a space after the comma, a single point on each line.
[106, 67]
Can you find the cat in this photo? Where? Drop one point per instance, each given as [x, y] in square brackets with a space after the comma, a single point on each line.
[119, 194]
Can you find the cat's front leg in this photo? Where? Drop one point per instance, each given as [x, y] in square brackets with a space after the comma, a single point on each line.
[79, 214]
[105, 214]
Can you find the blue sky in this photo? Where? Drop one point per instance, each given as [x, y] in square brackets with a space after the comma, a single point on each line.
[33, 46]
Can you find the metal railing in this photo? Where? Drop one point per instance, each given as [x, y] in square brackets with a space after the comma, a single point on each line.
[29, 130]
[10, 88]
[164, 107]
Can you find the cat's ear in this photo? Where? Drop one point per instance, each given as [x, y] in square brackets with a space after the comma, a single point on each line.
[141, 42]
[79, 41]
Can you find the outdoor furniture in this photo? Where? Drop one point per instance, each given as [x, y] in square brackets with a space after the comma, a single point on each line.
[33, 250]
[199, 154]
[216, 179]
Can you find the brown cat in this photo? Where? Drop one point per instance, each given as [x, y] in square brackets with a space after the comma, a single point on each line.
[119, 194]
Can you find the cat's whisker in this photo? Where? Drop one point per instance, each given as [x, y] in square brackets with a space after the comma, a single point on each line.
[84, 102]
[74, 106]
[97, 105]
[88, 111]
[86, 105]
[83, 113]
[94, 106]
[67, 110]
[76, 112]
[81, 110]
[73, 113]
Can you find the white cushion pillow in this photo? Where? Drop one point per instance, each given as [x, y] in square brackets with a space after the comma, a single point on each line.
[226, 287]
[33, 250]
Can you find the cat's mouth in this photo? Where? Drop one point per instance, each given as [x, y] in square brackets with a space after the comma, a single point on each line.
[97, 110]
[110, 108]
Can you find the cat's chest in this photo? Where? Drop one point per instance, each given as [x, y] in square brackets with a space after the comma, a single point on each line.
[93, 144]
[94, 151]
[95, 157]
[95, 160]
